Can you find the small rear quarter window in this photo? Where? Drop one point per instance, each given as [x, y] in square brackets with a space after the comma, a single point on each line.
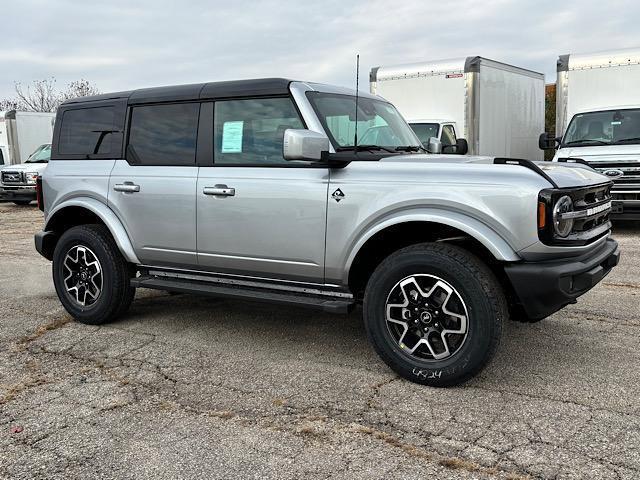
[87, 131]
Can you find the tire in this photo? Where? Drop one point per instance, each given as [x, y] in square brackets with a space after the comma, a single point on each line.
[462, 291]
[107, 295]
[22, 202]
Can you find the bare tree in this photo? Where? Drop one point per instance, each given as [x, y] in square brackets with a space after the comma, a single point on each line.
[8, 104]
[42, 96]
[79, 88]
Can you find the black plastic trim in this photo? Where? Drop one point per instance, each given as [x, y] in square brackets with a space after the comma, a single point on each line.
[527, 164]
[326, 304]
[543, 288]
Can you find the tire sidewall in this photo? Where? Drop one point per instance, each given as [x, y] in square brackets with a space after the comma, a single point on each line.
[80, 237]
[476, 347]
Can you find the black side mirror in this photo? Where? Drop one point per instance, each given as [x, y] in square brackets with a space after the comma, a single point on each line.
[547, 141]
[462, 147]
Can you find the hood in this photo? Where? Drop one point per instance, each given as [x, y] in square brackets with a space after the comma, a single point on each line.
[25, 167]
[602, 153]
[565, 175]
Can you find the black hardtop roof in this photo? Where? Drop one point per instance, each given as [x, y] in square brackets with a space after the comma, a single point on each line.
[196, 91]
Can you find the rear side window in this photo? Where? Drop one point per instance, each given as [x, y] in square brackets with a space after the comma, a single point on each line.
[86, 131]
[163, 134]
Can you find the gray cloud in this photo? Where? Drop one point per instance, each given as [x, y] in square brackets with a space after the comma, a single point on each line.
[120, 45]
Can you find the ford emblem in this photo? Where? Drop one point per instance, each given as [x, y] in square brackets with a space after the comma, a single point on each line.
[613, 173]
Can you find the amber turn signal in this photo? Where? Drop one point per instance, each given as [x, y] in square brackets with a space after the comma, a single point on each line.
[542, 215]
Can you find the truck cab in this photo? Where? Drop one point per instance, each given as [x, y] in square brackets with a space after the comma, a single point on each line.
[608, 140]
[441, 129]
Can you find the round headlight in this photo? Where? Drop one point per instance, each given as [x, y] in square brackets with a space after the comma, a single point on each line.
[561, 223]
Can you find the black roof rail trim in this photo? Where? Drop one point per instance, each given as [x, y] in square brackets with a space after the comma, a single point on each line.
[527, 164]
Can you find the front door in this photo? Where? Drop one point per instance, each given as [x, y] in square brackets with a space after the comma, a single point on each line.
[258, 214]
[153, 191]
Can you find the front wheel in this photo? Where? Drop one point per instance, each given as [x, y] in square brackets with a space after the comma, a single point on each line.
[91, 277]
[434, 313]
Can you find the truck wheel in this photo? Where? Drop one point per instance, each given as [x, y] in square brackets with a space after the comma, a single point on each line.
[22, 202]
[434, 313]
[91, 276]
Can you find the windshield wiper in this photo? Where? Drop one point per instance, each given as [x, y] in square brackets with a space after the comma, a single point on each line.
[632, 139]
[364, 148]
[410, 148]
[588, 140]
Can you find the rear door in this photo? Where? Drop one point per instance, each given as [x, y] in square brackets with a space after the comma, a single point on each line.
[153, 190]
[258, 214]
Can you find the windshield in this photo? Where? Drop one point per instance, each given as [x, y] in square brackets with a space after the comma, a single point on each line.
[610, 127]
[379, 123]
[41, 155]
[425, 131]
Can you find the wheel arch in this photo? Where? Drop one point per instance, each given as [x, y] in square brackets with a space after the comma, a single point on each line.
[393, 234]
[81, 211]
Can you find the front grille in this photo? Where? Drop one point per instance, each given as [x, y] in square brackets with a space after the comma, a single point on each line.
[625, 175]
[12, 178]
[590, 214]
[594, 203]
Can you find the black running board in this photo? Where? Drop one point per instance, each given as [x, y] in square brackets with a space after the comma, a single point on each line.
[317, 302]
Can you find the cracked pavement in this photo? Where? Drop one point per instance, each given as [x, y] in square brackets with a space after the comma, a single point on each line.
[192, 387]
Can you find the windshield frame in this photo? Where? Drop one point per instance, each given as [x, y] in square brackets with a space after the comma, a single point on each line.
[334, 142]
[598, 142]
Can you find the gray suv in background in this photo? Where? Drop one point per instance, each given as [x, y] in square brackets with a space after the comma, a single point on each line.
[260, 190]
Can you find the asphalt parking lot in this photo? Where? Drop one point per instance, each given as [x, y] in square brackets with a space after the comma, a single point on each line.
[189, 387]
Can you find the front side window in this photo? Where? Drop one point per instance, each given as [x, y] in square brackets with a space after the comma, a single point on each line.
[610, 127]
[86, 131]
[163, 135]
[251, 131]
[379, 123]
[425, 131]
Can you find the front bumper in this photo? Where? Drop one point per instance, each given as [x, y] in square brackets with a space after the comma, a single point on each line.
[625, 209]
[543, 288]
[18, 193]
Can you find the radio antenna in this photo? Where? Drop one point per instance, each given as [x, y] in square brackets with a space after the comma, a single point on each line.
[355, 138]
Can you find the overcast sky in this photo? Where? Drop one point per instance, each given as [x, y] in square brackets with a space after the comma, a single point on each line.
[119, 45]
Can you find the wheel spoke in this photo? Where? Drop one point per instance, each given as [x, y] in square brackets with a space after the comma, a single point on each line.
[82, 275]
[420, 316]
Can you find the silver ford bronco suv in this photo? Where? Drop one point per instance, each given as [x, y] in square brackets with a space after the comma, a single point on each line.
[302, 194]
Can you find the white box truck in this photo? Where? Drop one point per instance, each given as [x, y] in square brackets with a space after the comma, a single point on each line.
[598, 120]
[497, 108]
[22, 133]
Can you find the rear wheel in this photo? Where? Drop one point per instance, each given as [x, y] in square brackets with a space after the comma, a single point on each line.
[434, 313]
[90, 275]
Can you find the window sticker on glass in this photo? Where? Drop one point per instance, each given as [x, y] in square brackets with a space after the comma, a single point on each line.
[232, 137]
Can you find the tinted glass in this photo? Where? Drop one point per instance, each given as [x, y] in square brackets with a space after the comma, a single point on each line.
[163, 134]
[448, 136]
[86, 131]
[379, 123]
[252, 131]
[425, 131]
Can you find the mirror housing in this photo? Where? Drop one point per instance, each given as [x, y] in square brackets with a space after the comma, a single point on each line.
[548, 141]
[299, 144]
[434, 145]
[460, 148]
